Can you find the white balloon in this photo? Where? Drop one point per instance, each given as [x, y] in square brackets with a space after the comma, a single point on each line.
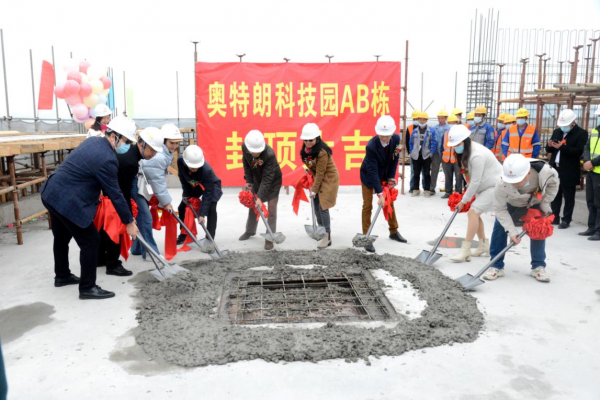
[106, 91]
[95, 72]
[70, 66]
[102, 99]
[84, 78]
[97, 86]
[93, 112]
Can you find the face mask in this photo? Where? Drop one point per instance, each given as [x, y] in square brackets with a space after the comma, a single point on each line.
[470, 122]
[501, 126]
[521, 121]
[422, 125]
[124, 148]
[527, 184]
[478, 120]
[565, 129]
[459, 149]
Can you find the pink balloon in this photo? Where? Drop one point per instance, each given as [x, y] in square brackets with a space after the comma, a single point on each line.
[106, 82]
[80, 111]
[59, 91]
[74, 76]
[80, 120]
[83, 66]
[71, 87]
[85, 89]
[73, 100]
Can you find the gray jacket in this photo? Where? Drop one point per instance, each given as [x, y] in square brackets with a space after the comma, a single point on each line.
[545, 182]
[155, 170]
[484, 170]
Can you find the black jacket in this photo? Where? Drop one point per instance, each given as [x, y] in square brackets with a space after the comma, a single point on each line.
[570, 153]
[265, 179]
[128, 170]
[202, 183]
[379, 165]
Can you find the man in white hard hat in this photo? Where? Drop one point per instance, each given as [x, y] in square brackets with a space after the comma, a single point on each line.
[591, 158]
[147, 146]
[525, 184]
[566, 148]
[379, 165]
[262, 174]
[198, 179]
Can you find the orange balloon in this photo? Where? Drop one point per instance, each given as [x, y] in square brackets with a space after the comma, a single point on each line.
[88, 123]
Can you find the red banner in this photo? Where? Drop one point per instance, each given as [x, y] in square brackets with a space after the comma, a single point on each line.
[344, 100]
[46, 94]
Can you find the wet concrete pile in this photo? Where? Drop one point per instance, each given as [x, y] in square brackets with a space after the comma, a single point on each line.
[180, 321]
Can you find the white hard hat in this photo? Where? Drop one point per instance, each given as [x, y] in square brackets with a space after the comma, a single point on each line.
[515, 168]
[102, 110]
[458, 133]
[310, 132]
[193, 156]
[566, 117]
[255, 141]
[597, 111]
[385, 126]
[123, 126]
[171, 131]
[153, 137]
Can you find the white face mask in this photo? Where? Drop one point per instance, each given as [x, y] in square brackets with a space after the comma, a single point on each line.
[521, 121]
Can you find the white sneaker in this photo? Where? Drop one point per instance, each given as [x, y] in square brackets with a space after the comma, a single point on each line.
[492, 273]
[427, 193]
[539, 273]
[415, 193]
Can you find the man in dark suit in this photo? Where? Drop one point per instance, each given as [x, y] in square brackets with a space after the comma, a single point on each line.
[71, 196]
[566, 148]
[379, 165]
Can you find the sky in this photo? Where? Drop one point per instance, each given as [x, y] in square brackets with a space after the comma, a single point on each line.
[150, 41]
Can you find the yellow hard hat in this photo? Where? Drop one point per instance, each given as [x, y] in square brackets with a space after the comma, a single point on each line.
[415, 114]
[423, 114]
[522, 112]
[453, 118]
[442, 113]
[509, 119]
[501, 117]
[457, 111]
[480, 110]
[471, 116]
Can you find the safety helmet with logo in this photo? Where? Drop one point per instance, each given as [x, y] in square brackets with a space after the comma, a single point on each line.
[470, 116]
[457, 134]
[101, 110]
[457, 111]
[442, 113]
[386, 125]
[515, 168]
[480, 110]
[415, 114]
[153, 138]
[310, 131]
[171, 132]
[566, 117]
[123, 126]
[453, 119]
[509, 119]
[255, 141]
[193, 156]
[522, 113]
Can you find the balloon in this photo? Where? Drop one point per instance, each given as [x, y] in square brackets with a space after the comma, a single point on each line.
[73, 100]
[95, 72]
[84, 78]
[91, 101]
[97, 86]
[89, 122]
[74, 76]
[93, 112]
[70, 66]
[106, 82]
[71, 87]
[80, 111]
[59, 91]
[80, 120]
[106, 92]
[83, 66]
[102, 99]
[85, 89]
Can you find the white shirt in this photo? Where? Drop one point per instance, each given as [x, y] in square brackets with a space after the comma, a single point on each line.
[94, 133]
[557, 159]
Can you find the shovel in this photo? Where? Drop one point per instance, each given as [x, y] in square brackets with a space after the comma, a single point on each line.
[214, 252]
[429, 257]
[469, 281]
[202, 245]
[276, 237]
[163, 269]
[361, 240]
[314, 231]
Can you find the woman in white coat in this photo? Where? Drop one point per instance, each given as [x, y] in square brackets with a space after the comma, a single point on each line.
[102, 113]
[482, 171]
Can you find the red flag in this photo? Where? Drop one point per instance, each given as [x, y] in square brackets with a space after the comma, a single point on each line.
[46, 87]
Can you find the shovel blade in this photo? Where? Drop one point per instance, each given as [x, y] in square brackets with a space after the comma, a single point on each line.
[423, 256]
[468, 281]
[277, 237]
[360, 240]
[206, 246]
[317, 234]
[167, 272]
[433, 258]
[216, 256]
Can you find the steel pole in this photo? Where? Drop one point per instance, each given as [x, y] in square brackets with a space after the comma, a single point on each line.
[55, 98]
[404, 117]
[33, 90]
[6, 83]
[124, 96]
[177, 83]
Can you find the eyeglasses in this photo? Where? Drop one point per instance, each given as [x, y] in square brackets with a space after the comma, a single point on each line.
[309, 140]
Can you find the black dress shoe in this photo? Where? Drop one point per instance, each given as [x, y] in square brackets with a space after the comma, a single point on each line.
[370, 248]
[96, 293]
[564, 225]
[246, 236]
[71, 280]
[556, 221]
[118, 271]
[398, 237]
[595, 236]
[589, 232]
[181, 239]
[446, 195]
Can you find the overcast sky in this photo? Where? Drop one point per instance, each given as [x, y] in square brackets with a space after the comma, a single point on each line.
[150, 40]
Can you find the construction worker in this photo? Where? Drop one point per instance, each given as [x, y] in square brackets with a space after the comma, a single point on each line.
[422, 145]
[591, 158]
[458, 113]
[101, 119]
[318, 158]
[470, 119]
[499, 134]
[379, 165]
[408, 133]
[262, 174]
[482, 174]
[526, 183]
[449, 164]
[565, 148]
[522, 137]
[483, 133]
[436, 158]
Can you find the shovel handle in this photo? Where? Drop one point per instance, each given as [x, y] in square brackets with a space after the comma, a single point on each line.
[185, 227]
[152, 253]
[437, 244]
[510, 245]
[203, 227]
[374, 219]
[263, 218]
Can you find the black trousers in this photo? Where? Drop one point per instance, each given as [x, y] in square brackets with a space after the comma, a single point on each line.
[452, 173]
[422, 166]
[88, 240]
[592, 197]
[211, 218]
[566, 190]
[109, 251]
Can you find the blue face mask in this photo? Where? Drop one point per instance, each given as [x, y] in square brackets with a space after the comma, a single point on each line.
[459, 149]
[124, 148]
[478, 120]
[422, 125]
[527, 184]
[470, 122]
[565, 129]
[501, 126]
[521, 121]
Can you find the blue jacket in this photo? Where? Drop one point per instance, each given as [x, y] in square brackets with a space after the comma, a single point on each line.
[490, 135]
[74, 188]
[439, 136]
[377, 166]
[155, 170]
[433, 144]
[202, 183]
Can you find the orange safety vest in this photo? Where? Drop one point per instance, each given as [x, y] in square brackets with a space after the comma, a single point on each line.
[448, 155]
[520, 144]
[497, 149]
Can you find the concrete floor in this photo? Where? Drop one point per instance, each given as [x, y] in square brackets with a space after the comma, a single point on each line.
[540, 340]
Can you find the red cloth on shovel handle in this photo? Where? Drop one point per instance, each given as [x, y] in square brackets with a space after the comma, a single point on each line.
[190, 222]
[156, 225]
[538, 226]
[247, 200]
[390, 194]
[456, 198]
[305, 182]
[170, 224]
